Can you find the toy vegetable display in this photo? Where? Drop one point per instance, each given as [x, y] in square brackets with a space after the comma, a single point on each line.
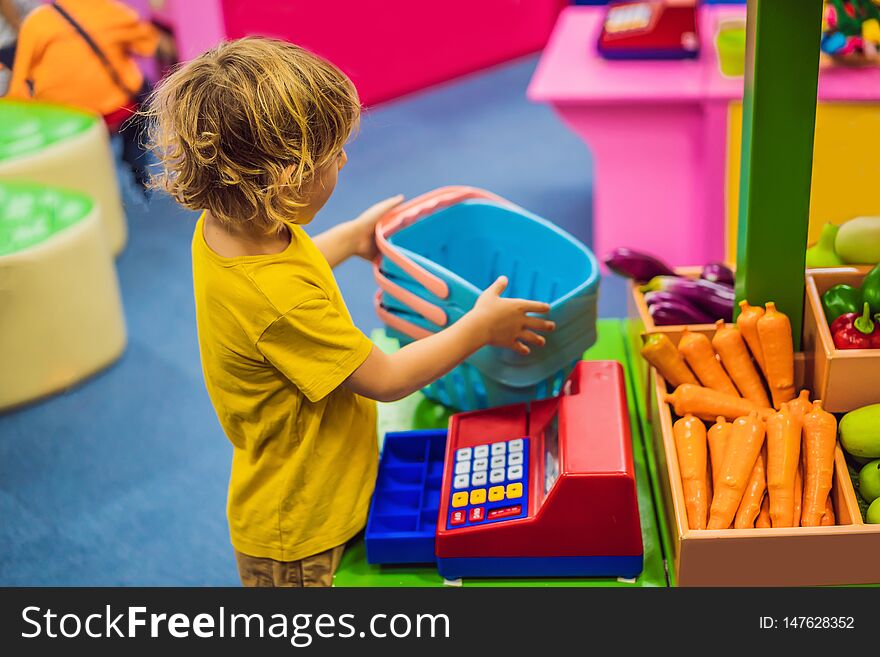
[855, 242]
[766, 467]
[853, 313]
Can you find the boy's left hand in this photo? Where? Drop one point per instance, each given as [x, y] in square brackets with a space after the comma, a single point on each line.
[365, 226]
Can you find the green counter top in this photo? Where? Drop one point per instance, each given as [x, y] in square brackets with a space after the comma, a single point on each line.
[416, 412]
[28, 127]
[32, 213]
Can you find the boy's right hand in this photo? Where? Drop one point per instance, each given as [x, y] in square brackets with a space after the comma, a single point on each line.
[505, 322]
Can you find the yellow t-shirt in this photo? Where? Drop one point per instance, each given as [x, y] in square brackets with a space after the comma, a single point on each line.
[276, 342]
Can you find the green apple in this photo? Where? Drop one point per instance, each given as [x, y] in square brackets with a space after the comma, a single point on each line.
[869, 481]
[860, 432]
[873, 516]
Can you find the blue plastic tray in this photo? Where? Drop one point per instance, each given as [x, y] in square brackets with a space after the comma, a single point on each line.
[402, 523]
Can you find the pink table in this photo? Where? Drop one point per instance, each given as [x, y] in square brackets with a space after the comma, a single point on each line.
[657, 131]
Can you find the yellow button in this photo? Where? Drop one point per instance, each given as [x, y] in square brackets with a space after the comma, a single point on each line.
[514, 491]
[478, 496]
[496, 493]
[459, 499]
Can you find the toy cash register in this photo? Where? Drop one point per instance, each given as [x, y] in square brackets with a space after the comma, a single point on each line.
[650, 29]
[545, 489]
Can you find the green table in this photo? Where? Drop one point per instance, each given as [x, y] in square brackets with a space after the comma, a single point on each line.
[417, 412]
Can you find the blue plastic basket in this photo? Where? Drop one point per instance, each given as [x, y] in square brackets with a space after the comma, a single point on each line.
[402, 522]
[466, 245]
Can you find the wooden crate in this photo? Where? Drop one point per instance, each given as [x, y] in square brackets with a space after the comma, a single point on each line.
[797, 556]
[844, 379]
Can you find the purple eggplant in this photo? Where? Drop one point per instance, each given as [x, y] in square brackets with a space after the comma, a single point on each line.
[638, 266]
[717, 272]
[713, 298]
[653, 298]
[669, 312]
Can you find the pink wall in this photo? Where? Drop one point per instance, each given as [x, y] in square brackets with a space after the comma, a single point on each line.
[394, 47]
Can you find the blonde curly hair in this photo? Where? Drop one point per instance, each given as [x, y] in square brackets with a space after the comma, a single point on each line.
[243, 129]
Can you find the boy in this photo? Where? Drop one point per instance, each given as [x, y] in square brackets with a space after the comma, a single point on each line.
[252, 133]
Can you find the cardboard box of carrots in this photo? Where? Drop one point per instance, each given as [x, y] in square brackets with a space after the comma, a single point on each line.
[757, 487]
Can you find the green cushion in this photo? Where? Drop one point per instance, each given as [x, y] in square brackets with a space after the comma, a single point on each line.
[28, 127]
[32, 213]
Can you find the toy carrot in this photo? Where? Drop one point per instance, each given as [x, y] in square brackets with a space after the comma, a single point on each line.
[828, 519]
[662, 354]
[750, 505]
[820, 439]
[783, 458]
[698, 352]
[801, 405]
[729, 343]
[763, 521]
[774, 332]
[718, 436]
[690, 445]
[708, 404]
[798, 501]
[747, 323]
[746, 441]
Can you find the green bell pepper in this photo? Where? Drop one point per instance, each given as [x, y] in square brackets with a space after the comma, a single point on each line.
[840, 300]
[871, 289]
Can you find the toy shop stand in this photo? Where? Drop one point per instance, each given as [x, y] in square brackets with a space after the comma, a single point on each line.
[414, 413]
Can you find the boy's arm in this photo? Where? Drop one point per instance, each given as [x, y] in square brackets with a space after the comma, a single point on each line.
[500, 322]
[355, 237]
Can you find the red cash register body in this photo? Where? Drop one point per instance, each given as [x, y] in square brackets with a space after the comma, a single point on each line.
[583, 521]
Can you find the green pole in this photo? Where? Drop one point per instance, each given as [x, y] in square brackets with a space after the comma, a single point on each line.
[779, 118]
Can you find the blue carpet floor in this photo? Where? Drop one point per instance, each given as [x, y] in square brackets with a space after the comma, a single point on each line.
[122, 480]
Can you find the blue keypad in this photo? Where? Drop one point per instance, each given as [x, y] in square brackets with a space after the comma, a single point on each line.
[489, 483]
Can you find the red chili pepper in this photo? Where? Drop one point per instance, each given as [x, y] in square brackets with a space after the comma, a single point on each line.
[855, 331]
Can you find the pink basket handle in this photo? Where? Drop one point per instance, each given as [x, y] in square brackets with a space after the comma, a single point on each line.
[426, 309]
[398, 323]
[410, 212]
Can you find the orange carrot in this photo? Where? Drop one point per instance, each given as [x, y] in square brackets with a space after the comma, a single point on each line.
[801, 405]
[662, 354]
[747, 323]
[690, 444]
[729, 344]
[698, 352]
[820, 439]
[783, 457]
[708, 404]
[763, 520]
[750, 505]
[774, 332]
[828, 519]
[798, 496]
[746, 441]
[718, 436]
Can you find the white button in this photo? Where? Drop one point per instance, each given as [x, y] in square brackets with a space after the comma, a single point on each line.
[515, 459]
[463, 454]
[481, 451]
[498, 461]
[514, 472]
[479, 479]
[498, 448]
[496, 476]
[462, 467]
[460, 481]
[515, 445]
[481, 464]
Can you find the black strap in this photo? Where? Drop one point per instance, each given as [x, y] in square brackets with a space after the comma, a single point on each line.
[97, 50]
